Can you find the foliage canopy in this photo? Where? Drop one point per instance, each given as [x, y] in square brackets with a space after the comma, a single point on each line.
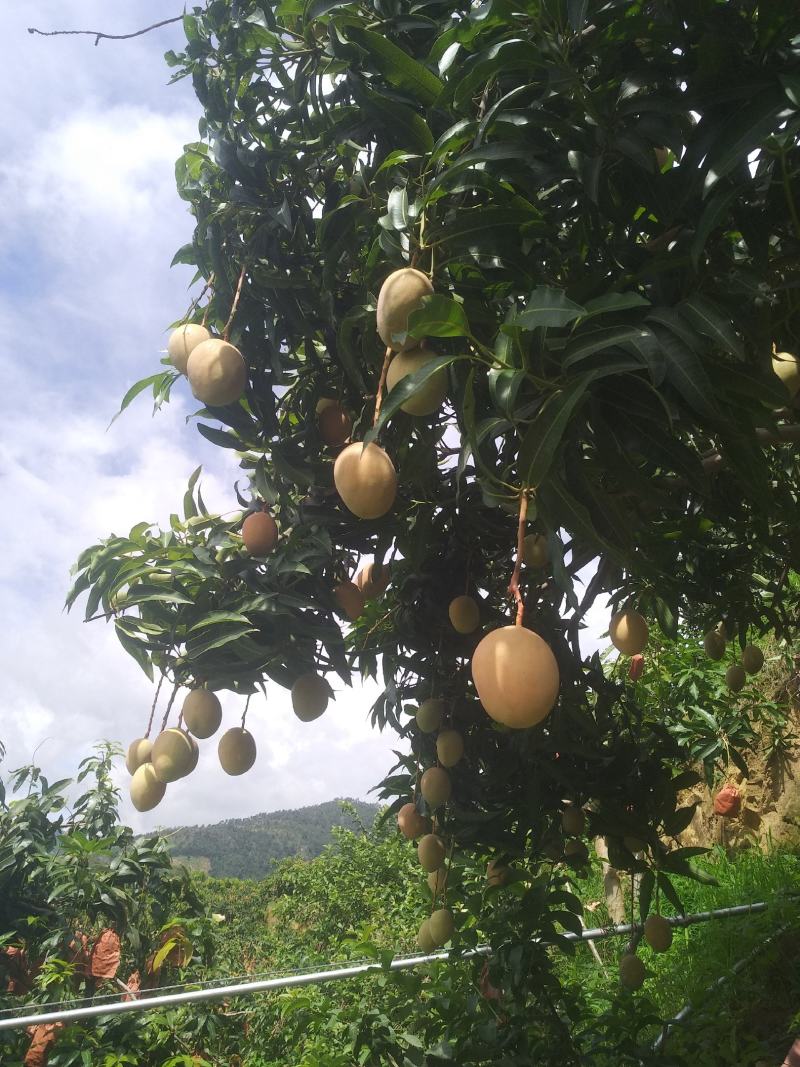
[605, 312]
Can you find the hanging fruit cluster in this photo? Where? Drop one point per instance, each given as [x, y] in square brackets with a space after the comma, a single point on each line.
[521, 361]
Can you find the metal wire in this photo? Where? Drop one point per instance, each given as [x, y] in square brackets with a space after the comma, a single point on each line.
[334, 972]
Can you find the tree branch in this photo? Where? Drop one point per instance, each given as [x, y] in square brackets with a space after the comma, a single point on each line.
[98, 36]
[513, 585]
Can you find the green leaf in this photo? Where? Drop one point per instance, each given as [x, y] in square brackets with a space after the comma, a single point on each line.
[439, 316]
[699, 875]
[146, 594]
[488, 153]
[565, 509]
[409, 128]
[189, 506]
[646, 884]
[217, 638]
[482, 220]
[667, 618]
[714, 214]
[744, 131]
[223, 438]
[317, 8]
[677, 822]
[139, 387]
[405, 389]
[504, 385]
[136, 650]
[397, 66]
[163, 952]
[613, 302]
[686, 373]
[548, 307]
[396, 217]
[544, 434]
[219, 618]
[599, 340]
[669, 891]
[791, 85]
[711, 322]
[576, 13]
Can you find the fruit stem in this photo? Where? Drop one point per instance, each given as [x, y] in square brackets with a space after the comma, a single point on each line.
[381, 383]
[175, 689]
[246, 706]
[197, 299]
[227, 330]
[513, 585]
[153, 708]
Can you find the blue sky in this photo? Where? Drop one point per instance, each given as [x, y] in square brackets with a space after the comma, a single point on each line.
[89, 222]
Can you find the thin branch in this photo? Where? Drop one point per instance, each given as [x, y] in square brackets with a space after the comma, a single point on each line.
[513, 585]
[169, 707]
[381, 383]
[227, 331]
[153, 708]
[99, 36]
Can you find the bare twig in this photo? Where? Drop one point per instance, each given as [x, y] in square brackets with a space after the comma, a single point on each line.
[227, 331]
[153, 708]
[169, 706]
[381, 383]
[513, 585]
[99, 36]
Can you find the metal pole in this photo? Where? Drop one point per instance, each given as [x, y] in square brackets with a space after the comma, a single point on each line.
[196, 996]
[739, 966]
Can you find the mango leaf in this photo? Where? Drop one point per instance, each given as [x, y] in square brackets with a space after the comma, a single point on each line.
[791, 85]
[219, 437]
[405, 389]
[480, 220]
[686, 373]
[439, 316]
[136, 650]
[504, 385]
[410, 129]
[714, 214]
[396, 217]
[667, 617]
[156, 380]
[544, 434]
[669, 891]
[677, 822]
[576, 13]
[548, 307]
[565, 509]
[711, 322]
[217, 637]
[599, 340]
[397, 66]
[646, 884]
[745, 130]
[613, 302]
[317, 8]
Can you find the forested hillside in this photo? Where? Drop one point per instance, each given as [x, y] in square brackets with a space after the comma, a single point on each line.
[253, 847]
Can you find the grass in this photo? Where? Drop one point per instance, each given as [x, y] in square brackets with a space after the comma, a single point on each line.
[754, 1015]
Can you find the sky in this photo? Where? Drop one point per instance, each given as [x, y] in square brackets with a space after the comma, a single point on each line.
[89, 222]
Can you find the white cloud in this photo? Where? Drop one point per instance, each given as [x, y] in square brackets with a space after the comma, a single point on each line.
[90, 223]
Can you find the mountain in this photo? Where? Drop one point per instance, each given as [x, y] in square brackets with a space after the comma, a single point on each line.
[253, 847]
